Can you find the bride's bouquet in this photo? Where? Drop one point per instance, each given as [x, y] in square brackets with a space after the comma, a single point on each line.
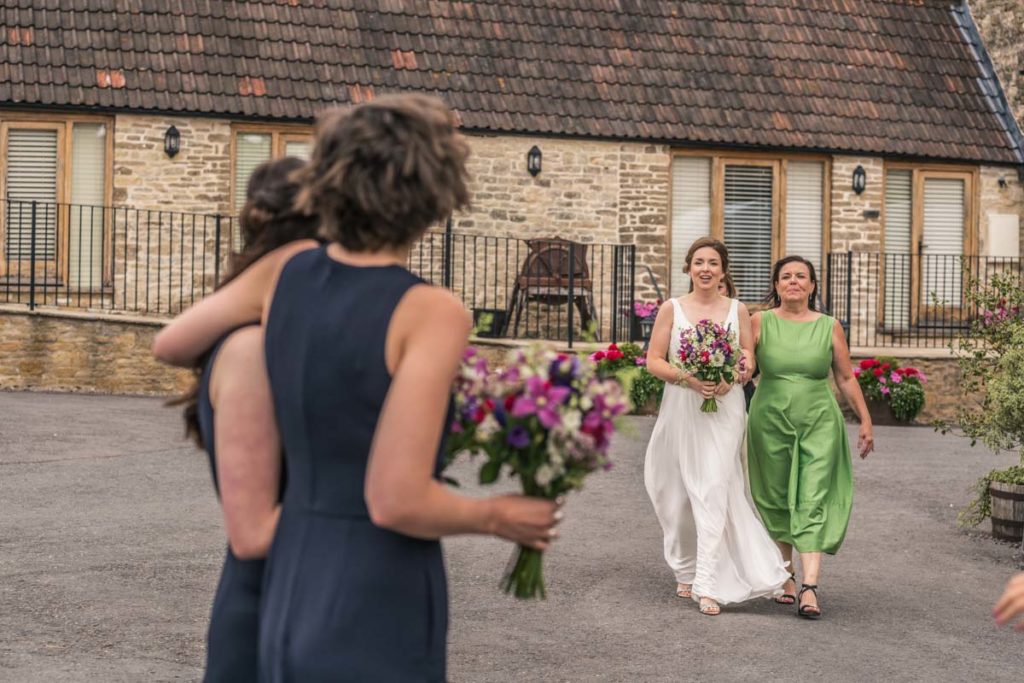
[546, 419]
[708, 351]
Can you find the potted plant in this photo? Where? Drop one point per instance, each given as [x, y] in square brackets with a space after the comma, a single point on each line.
[991, 361]
[642, 318]
[895, 395]
[628, 364]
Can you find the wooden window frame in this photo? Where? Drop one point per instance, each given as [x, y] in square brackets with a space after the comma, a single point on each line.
[64, 124]
[779, 162]
[280, 134]
[919, 172]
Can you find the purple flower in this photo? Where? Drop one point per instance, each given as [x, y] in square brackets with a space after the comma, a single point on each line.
[542, 399]
[518, 437]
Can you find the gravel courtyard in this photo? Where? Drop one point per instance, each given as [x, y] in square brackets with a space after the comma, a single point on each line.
[110, 544]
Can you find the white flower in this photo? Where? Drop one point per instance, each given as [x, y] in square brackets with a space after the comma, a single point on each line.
[544, 475]
[486, 429]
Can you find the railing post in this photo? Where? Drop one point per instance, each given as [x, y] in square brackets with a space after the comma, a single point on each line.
[446, 254]
[32, 262]
[849, 296]
[616, 294]
[572, 293]
[631, 251]
[828, 280]
[216, 251]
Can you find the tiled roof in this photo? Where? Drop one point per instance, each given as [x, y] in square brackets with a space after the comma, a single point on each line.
[896, 77]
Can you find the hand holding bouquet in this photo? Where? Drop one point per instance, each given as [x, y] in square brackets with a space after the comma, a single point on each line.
[547, 419]
[708, 351]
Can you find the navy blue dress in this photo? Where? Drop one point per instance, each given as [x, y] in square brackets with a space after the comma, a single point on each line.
[232, 638]
[344, 600]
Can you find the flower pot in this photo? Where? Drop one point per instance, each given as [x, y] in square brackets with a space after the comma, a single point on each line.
[489, 322]
[881, 413]
[1007, 511]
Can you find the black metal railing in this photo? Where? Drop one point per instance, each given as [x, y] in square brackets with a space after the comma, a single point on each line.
[534, 288]
[906, 300]
[150, 262]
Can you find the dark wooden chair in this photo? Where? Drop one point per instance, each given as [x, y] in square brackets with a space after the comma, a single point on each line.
[544, 278]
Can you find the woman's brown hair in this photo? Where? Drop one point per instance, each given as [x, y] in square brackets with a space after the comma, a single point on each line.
[385, 171]
[772, 297]
[700, 243]
[268, 220]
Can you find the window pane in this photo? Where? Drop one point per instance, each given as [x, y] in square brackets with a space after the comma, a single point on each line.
[86, 215]
[748, 228]
[251, 150]
[31, 176]
[298, 148]
[942, 240]
[691, 213]
[805, 208]
[898, 279]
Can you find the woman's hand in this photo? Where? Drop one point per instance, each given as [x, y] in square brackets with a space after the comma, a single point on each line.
[722, 388]
[866, 439]
[1011, 604]
[526, 520]
[705, 389]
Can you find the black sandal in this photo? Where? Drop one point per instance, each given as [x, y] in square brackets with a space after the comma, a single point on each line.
[809, 611]
[787, 598]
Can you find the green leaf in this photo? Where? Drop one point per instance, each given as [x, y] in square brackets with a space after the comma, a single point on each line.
[490, 471]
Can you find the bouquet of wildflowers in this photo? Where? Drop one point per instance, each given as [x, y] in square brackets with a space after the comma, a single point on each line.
[547, 419]
[708, 351]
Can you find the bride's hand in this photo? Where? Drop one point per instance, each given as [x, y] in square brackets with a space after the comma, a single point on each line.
[722, 388]
[705, 389]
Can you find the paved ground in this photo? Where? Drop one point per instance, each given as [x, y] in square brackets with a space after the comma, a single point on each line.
[110, 543]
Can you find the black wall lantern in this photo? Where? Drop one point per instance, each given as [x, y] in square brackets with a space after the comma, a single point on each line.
[860, 179]
[533, 160]
[172, 142]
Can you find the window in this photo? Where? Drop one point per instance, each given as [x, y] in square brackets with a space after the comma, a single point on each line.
[763, 208]
[254, 145]
[63, 167]
[928, 217]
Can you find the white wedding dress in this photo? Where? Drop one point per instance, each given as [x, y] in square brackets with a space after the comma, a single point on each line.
[694, 476]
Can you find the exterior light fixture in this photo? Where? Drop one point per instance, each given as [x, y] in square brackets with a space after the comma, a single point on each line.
[172, 142]
[1002, 182]
[533, 160]
[860, 179]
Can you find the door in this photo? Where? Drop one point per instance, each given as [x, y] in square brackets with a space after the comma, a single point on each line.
[940, 239]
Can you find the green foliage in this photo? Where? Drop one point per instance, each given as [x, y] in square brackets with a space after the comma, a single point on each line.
[627, 364]
[991, 360]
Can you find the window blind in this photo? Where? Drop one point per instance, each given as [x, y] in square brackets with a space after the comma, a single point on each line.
[251, 150]
[748, 227]
[31, 176]
[86, 215]
[300, 149]
[898, 276]
[691, 213]
[943, 239]
[805, 207]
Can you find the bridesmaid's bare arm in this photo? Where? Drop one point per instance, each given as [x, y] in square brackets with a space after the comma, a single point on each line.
[247, 443]
[243, 300]
[842, 368]
[426, 338]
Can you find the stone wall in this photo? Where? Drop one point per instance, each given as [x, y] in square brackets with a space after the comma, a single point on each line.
[70, 352]
[850, 229]
[1001, 23]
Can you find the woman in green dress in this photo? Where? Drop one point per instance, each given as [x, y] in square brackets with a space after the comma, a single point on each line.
[799, 456]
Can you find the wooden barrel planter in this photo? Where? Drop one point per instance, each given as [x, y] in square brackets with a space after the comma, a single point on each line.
[881, 413]
[1007, 511]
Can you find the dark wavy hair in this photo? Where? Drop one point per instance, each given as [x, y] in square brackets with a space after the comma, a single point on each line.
[383, 172]
[268, 220]
[772, 297]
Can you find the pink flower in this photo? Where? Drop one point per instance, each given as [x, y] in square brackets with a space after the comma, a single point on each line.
[896, 379]
[885, 391]
[881, 379]
[597, 356]
[641, 361]
[856, 372]
[541, 399]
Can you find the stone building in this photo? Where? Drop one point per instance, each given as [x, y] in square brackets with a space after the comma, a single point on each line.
[822, 127]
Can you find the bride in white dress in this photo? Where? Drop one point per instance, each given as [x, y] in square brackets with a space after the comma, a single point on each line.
[714, 541]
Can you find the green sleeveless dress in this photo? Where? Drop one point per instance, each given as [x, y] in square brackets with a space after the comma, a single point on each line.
[801, 477]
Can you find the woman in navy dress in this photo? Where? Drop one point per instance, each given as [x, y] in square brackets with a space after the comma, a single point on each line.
[361, 355]
[229, 412]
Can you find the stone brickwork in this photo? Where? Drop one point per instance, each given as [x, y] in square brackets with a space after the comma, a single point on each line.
[645, 172]
[1008, 200]
[69, 352]
[850, 229]
[1001, 24]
